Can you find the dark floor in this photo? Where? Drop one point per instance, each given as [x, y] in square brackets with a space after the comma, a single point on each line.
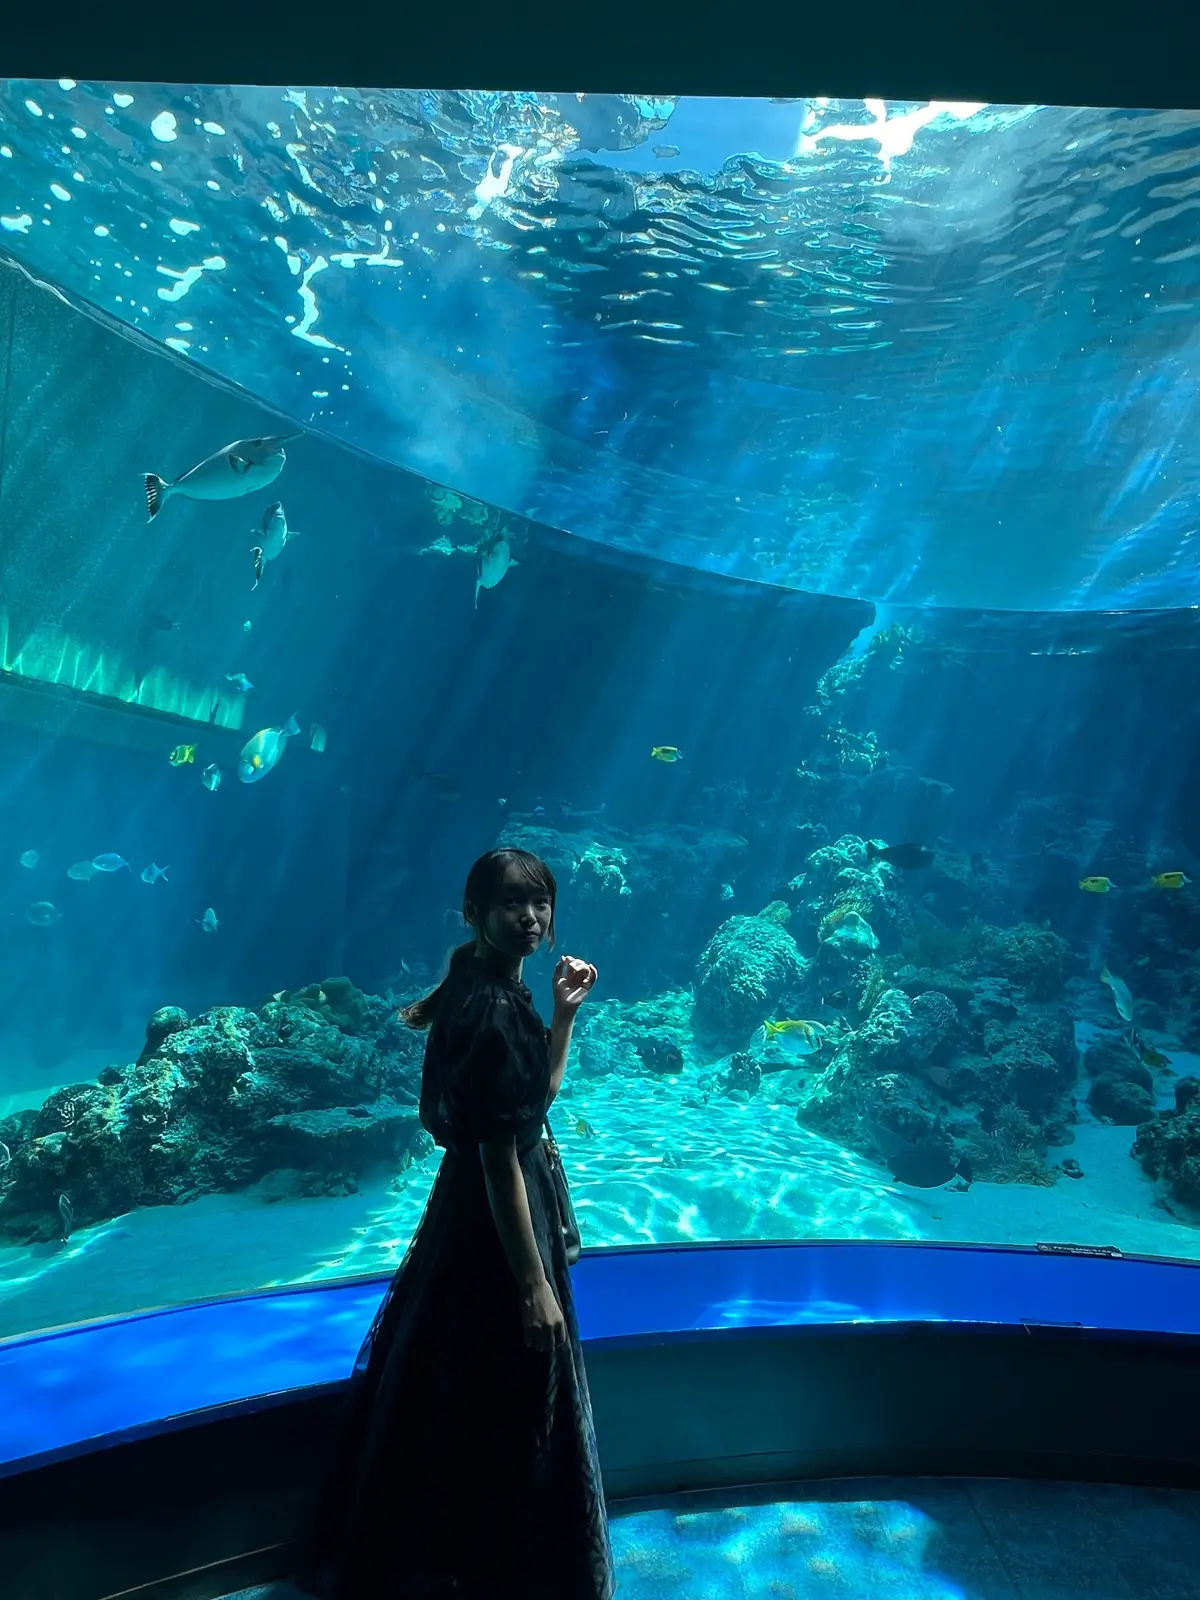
[910, 1539]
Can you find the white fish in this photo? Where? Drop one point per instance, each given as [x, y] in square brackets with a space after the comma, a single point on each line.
[1120, 993]
[42, 914]
[209, 921]
[317, 738]
[30, 859]
[82, 872]
[260, 753]
[152, 874]
[240, 682]
[797, 1039]
[211, 778]
[110, 862]
[273, 537]
[237, 469]
[495, 558]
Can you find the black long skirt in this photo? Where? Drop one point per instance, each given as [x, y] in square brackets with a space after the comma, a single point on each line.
[467, 1463]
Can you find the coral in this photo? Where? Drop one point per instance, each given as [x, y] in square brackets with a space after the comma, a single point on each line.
[852, 1095]
[647, 1037]
[1010, 1150]
[1032, 958]
[934, 945]
[850, 906]
[1125, 1103]
[849, 932]
[778, 911]
[936, 1024]
[215, 1105]
[889, 1040]
[336, 999]
[872, 986]
[744, 972]
[1168, 1148]
[1112, 1057]
[992, 1000]
[600, 870]
[165, 1021]
[742, 1077]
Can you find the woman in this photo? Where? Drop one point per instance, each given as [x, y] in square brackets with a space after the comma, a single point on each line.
[468, 1466]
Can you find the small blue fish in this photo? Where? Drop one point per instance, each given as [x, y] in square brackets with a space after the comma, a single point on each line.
[152, 874]
[109, 863]
[211, 777]
[240, 681]
[30, 859]
[209, 921]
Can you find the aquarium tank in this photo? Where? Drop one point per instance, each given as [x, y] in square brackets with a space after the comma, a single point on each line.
[778, 515]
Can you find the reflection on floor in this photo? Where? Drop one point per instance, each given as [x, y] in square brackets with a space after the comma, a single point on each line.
[914, 1539]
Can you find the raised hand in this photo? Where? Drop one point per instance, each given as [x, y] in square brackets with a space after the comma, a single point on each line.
[572, 981]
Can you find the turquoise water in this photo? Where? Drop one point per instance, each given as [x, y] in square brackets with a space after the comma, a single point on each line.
[843, 450]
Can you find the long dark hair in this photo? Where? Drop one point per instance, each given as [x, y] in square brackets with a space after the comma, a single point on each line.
[484, 884]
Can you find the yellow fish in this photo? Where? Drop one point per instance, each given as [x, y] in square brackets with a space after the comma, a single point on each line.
[798, 1038]
[584, 1129]
[666, 752]
[1150, 1055]
[1096, 885]
[182, 755]
[1170, 880]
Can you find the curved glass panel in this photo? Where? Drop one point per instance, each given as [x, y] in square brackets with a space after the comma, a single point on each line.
[983, 1026]
[934, 354]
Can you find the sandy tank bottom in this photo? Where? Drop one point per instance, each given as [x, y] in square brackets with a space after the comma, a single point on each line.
[733, 1171]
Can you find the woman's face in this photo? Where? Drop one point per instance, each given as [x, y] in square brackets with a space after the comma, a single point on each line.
[519, 919]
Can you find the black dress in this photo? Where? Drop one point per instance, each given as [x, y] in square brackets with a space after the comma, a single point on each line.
[467, 1465]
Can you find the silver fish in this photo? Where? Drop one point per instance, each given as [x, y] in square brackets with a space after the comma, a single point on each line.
[111, 862]
[211, 778]
[237, 469]
[260, 753]
[273, 537]
[82, 871]
[153, 873]
[1120, 993]
[495, 558]
[42, 914]
[209, 921]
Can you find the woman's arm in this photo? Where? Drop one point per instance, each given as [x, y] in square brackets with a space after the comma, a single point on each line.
[509, 1201]
[560, 1043]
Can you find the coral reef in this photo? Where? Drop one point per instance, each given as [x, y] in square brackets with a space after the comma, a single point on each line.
[1168, 1148]
[1120, 1101]
[336, 999]
[650, 1037]
[747, 970]
[1012, 1149]
[216, 1104]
